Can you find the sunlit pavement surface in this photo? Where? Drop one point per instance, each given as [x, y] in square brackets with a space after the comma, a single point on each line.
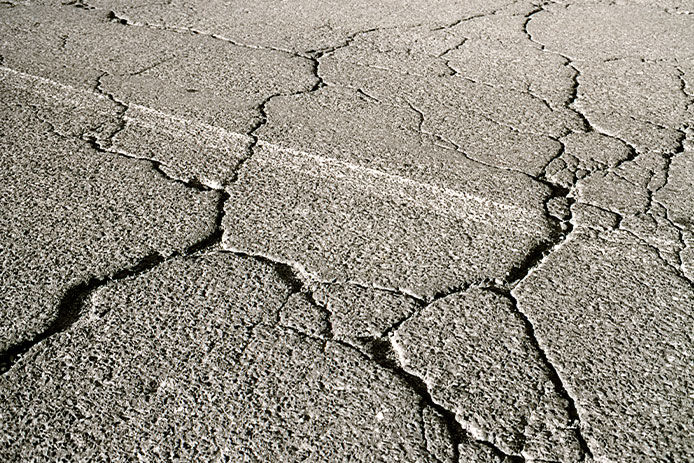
[398, 231]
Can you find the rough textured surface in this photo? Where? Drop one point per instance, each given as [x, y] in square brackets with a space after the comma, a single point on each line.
[473, 353]
[187, 362]
[446, 231]
[643, 309]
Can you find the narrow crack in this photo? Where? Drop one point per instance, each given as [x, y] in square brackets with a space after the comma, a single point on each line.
[115, 17]
[445, 143]
[347, 42]
[297, 282]
[552, 372]
[74, 300]
[250, 150]
[380, 350]
[537, 256]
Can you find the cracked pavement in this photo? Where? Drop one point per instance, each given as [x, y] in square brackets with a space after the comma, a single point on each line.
[447, 231]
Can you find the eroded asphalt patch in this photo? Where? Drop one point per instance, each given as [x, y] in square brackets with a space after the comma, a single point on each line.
[293, 231]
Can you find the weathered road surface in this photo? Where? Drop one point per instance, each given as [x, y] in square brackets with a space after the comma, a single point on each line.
[400, 231]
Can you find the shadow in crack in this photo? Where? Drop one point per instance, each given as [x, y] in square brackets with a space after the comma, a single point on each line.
[381, 352]
[70, 309]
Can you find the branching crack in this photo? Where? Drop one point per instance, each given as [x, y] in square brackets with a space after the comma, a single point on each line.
[381, 352]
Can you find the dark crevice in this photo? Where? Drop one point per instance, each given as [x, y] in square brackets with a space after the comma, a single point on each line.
[381, 352]
[73, 302]
[378, 350]
[287, 275]
[112, 16]
[71, 307]
[99, 88]
[540, 252]
[261, 108]
[315, 69]
[286, 272]
[398, 323]
[192, 182]
[214, 239]
[262, 120]
[345, 43]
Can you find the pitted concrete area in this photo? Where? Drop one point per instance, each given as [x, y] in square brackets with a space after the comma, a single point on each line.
[281, 231]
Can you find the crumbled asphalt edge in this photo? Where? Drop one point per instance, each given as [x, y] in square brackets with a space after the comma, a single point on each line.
[380, 352]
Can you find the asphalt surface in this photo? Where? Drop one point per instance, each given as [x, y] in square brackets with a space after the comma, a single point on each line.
[446, 231]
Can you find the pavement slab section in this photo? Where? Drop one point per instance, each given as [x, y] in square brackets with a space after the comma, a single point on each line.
[190, 361]
[72, 214]
[339, 221]
[633, 92]
[183, 74]
[677, 197]
[357, 313]
[616, 323]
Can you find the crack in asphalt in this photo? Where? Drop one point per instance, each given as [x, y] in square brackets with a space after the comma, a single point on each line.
[553, 374]
[73, 302]
[115, 17]
[379, 350]
[71, 307]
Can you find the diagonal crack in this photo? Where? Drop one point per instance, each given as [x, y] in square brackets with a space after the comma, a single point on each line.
[552, 372]
[75, 299]
[71, 308]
